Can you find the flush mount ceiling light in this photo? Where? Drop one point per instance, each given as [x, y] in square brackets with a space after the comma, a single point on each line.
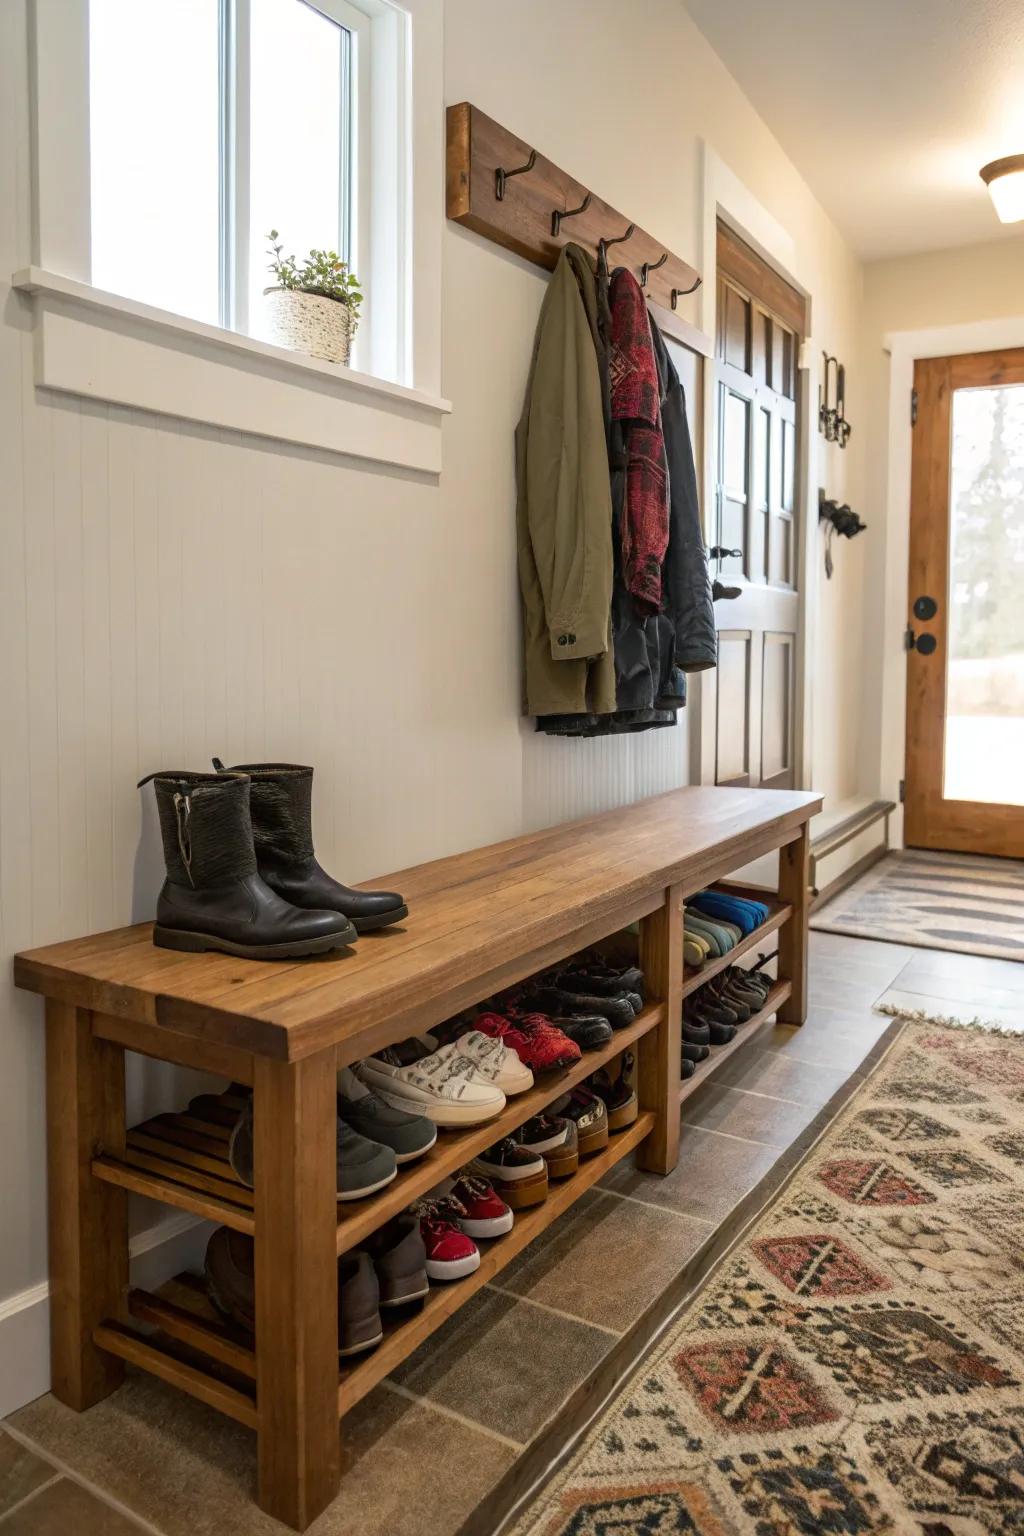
[1005, 181]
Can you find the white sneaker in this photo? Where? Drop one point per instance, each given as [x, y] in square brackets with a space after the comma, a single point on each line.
[493, 1062]
[444, 1087]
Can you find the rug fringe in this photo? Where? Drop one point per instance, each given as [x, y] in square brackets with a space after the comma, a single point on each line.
[947, 1021]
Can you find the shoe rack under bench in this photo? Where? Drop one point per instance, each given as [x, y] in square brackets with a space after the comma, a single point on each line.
[478, 922]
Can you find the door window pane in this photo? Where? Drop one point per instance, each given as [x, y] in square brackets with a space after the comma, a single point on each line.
[299, 132]
[155, 151]
[985, 676]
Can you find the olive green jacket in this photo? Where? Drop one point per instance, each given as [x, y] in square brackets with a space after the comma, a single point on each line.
[564, 509]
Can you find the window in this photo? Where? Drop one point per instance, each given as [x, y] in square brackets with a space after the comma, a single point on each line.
[211, 123]
[168, 138]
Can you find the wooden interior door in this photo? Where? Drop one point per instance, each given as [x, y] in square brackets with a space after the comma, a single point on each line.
[761, 321]
[964, 786]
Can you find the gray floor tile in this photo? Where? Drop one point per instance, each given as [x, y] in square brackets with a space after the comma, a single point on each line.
[21, 1472]
[191, 1472]
[767, 1072]
[1011, 1017]
[713, 1174]
[65, 1507]
[818, 1044]
[605, 1260]
[504, 1363]
[752, 1116]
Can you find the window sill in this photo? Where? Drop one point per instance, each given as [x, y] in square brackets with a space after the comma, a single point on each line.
[108, 348]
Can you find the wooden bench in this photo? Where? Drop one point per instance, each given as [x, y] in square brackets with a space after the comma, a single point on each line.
[478, 922]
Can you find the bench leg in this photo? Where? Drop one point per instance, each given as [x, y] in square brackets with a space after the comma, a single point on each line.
[794, 887]
[661, 960]
[294, 1116]
[88, 1220]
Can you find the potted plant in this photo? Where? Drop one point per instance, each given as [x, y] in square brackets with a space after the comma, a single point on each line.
[314, 306]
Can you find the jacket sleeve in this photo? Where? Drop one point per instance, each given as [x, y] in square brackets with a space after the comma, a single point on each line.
[687, 585]
[567, 480]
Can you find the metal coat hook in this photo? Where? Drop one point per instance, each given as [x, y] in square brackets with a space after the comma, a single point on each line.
[603, 245]
[651, 266]
[678, 293]
[501, 176]
[570, 213]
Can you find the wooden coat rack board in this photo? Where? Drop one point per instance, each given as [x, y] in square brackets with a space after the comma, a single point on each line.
[503, 188]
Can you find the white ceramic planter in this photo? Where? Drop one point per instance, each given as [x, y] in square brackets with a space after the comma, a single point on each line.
[308, 322]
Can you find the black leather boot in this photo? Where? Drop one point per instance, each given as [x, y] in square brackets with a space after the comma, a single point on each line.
[282, 825]
[213, 897]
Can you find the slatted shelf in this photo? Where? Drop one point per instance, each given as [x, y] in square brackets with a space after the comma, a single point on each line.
[182, 1159]
[743, 1036]
[779, 912]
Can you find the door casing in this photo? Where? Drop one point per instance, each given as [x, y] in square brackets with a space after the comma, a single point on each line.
[929, 820]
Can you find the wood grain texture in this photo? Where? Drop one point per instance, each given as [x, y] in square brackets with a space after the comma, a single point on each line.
[762, 282]
[294, 1119]
[795, 890]
[478, 921]
[657, 1080]
[930, 820]
[521, 221]
[122, 1344]
[88, 1220]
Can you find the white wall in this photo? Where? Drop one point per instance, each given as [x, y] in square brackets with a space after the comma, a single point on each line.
[932, 305]
[168, 592]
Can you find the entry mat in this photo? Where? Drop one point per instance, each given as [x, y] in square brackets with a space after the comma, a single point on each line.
[955, 901]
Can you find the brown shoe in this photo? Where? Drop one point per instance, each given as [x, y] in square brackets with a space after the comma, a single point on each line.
[231, 1284]
[399, 1258]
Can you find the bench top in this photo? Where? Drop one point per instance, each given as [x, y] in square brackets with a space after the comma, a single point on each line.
[477, 921]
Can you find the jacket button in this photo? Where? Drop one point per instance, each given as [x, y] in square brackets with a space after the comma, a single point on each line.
[572, 639]
[563, 639]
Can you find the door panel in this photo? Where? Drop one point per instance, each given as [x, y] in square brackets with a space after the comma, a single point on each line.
[965, 696]
[778, 675]
[733, 686]
[755, 513]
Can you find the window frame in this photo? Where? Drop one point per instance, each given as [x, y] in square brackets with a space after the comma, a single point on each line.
[399, 233]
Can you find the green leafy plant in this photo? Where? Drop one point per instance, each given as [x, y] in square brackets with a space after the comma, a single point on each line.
[321, 272]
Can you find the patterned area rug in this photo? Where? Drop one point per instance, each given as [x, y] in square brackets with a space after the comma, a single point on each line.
[857, 1363]
[935, 900]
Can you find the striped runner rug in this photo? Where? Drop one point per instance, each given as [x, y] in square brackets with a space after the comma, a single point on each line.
[955, 901]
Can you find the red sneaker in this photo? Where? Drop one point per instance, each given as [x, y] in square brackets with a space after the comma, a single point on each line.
[487, 1215]
[450, 1253]
[535, 1040]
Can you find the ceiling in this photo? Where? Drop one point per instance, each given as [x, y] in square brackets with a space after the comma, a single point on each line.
[888, 108]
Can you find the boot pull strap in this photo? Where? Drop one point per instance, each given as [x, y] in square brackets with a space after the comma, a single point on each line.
[166, 773]
[219, 766]
[183, 816]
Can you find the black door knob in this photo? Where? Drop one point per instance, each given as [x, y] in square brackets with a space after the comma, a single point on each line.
[925, 608]
[926, 644]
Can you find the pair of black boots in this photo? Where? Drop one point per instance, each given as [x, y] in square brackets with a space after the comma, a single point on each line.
[242, 877]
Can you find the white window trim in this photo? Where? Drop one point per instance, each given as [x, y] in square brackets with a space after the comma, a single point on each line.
[106, 347]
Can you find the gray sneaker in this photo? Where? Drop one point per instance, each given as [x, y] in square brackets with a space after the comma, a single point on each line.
[408, 1136]
[400, 1260]
[363, 1166]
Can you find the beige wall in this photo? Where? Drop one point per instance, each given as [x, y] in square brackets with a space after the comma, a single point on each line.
[936, 304]
[168, 592]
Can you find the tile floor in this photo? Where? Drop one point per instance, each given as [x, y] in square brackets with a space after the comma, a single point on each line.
[434, 1441]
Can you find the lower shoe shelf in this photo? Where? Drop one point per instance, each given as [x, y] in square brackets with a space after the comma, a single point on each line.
[743, 1036]
[194, 1349]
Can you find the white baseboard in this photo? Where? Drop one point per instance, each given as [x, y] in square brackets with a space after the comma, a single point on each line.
[156, 1254]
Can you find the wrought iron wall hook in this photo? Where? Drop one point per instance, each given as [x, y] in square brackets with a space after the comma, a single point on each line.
[501, 176]
[679, 293]
[602, 244]
[570, 213]
[648, 267]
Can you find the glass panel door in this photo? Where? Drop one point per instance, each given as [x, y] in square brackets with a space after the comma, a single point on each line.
[984, 727]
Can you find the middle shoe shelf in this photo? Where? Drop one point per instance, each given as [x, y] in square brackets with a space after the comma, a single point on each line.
[183, 1161]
